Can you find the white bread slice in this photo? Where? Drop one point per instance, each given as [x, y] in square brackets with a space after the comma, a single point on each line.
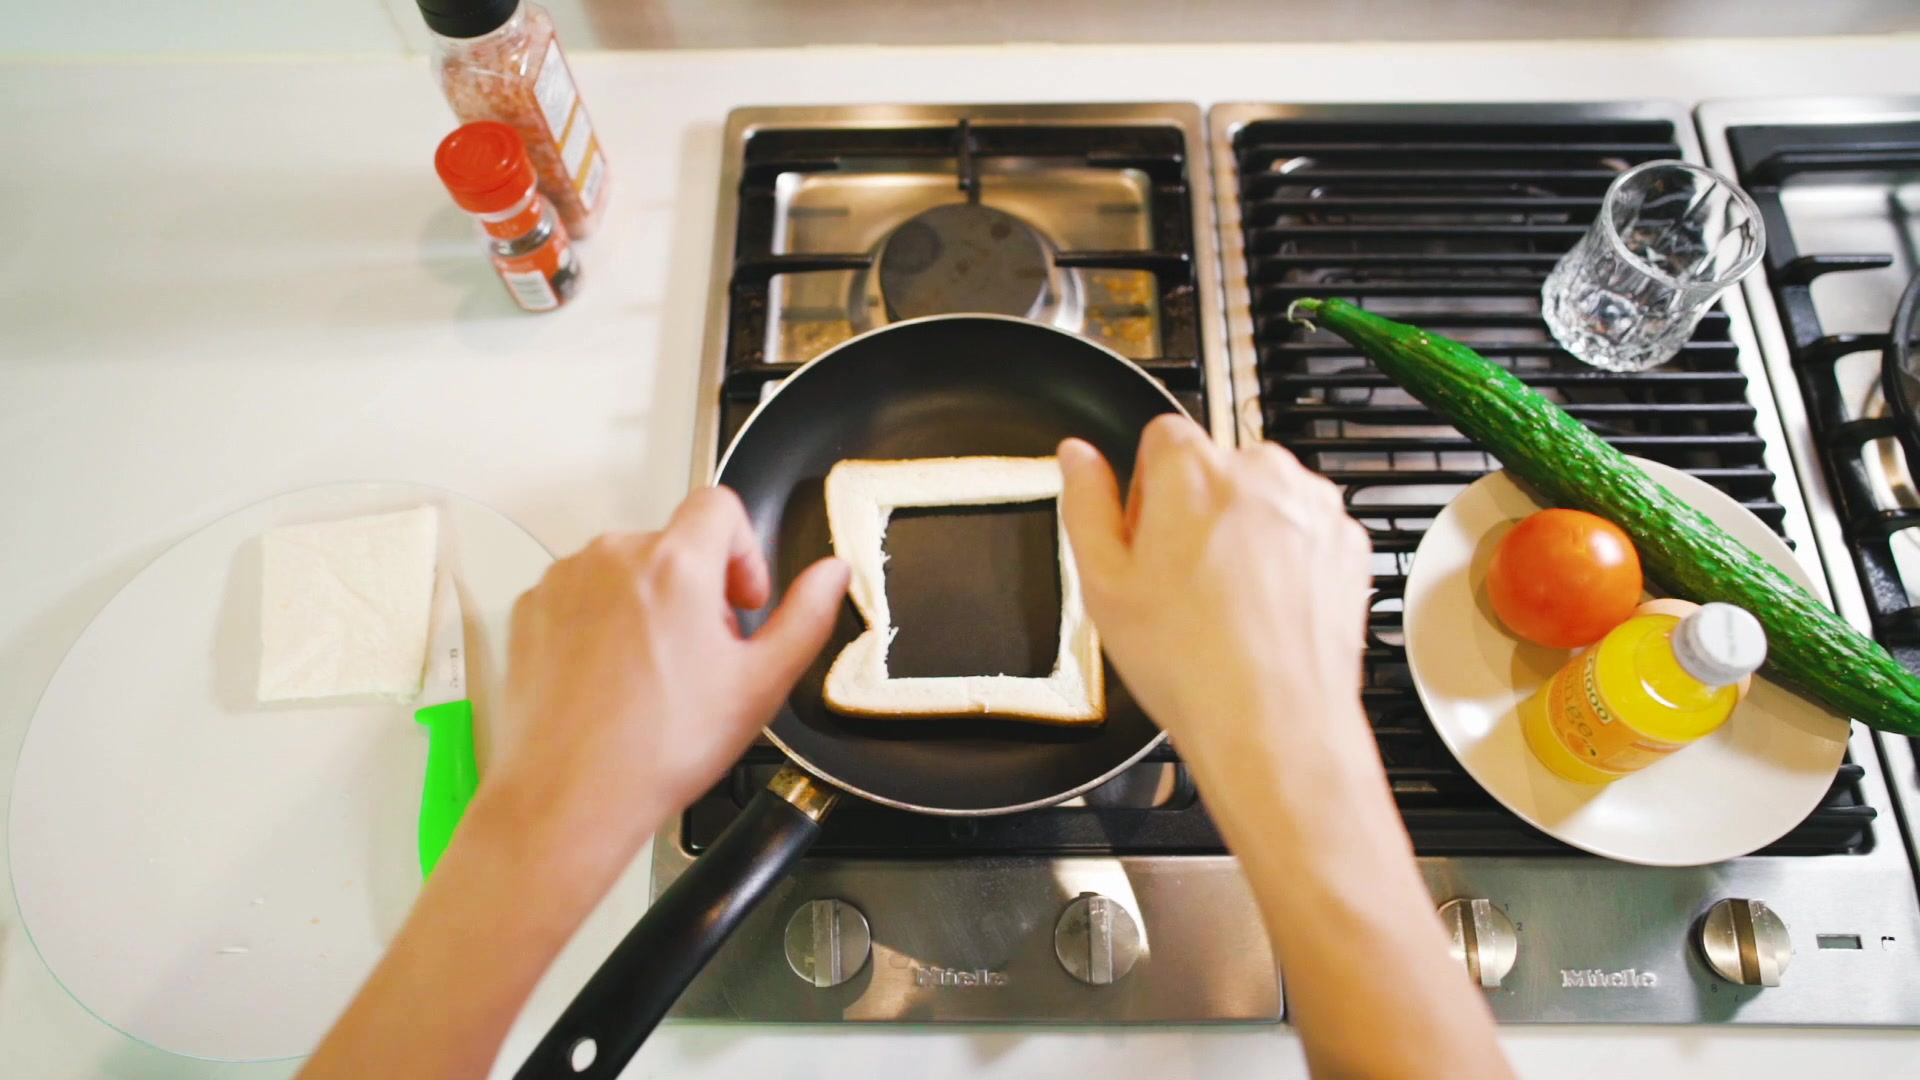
[861, 497]
[345, 606]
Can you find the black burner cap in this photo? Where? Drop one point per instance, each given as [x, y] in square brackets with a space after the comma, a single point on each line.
[963, 258]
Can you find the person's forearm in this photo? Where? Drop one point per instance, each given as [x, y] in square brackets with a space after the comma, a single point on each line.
[1369, 983]
[500, 905]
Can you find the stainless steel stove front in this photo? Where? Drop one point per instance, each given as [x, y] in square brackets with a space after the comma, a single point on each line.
[974, 940]
[977, 939]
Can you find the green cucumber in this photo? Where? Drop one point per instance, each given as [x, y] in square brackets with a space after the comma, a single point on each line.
[1809, 647]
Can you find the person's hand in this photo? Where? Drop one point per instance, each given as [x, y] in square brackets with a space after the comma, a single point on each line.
[1229, 587]
[1231, 591]
[629, 686]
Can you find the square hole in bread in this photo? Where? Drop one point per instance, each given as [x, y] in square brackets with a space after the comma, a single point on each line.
[981, 566]
[975, 590]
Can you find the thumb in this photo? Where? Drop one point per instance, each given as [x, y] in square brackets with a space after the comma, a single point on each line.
[1090, 509]
[797, 630]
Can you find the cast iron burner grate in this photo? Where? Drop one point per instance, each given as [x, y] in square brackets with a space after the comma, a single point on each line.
[970, 150]
[1767, 158]
[1454, 227]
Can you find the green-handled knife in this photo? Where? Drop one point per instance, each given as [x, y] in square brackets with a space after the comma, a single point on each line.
[452, 773]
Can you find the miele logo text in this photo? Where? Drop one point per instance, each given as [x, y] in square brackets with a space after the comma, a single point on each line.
[934, 975]
[1596, 979]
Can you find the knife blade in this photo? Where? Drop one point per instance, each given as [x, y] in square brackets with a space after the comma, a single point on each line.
[445, 675]
[452, 774]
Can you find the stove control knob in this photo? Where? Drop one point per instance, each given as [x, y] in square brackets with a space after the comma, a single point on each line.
[1744, 942]
[1096, 940]
[827, 942]
[1482, 937]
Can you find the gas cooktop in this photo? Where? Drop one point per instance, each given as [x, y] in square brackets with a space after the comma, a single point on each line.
[1103, 220]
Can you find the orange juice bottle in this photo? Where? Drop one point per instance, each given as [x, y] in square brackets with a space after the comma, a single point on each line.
[1654, 684]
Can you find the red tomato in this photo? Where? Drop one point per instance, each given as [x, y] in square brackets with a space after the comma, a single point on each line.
[1563, 578]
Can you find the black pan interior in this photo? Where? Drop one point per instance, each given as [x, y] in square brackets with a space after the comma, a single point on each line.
[943, 387]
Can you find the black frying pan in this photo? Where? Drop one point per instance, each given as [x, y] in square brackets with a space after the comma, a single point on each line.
[943, 386]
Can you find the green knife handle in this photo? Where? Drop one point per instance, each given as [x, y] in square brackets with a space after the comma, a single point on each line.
[452, 774]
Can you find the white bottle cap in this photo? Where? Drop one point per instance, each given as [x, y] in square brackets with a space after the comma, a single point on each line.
[1720, 644]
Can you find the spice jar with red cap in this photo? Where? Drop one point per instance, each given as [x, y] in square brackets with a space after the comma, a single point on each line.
[486, 168]
[500, 60]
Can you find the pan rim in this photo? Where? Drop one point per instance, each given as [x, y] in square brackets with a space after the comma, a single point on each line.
[1143, 373]
[824, 775]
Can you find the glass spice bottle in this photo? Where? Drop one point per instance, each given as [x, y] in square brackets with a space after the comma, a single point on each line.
[486, 167]
[499, 60]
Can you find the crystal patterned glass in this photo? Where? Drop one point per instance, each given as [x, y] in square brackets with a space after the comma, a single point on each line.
[1669, 237]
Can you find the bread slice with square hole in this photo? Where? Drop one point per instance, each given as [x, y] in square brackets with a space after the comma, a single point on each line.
[861, 497]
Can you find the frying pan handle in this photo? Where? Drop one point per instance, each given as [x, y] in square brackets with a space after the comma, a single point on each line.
[636, 985]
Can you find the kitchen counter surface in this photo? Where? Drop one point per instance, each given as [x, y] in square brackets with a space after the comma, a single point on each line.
[235, 277]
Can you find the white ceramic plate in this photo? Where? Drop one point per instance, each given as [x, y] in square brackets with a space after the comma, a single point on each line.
[1734, 792]
[208, 875]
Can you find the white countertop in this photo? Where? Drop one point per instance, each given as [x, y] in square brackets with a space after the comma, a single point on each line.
[236, 277]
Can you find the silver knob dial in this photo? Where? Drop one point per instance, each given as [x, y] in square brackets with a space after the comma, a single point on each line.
[1482, 937]
[1744, 942]
[1096, 939]
[827, 942]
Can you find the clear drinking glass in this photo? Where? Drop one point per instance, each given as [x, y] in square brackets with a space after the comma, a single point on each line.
[1669, 237]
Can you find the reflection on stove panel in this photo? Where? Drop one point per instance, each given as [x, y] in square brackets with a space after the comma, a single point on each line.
[906, 217]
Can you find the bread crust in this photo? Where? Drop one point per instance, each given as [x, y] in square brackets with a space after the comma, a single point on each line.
[861, 495]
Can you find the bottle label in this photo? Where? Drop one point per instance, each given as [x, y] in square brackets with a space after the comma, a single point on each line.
[540, 280]
[530, 289]
[567, 122]
[1578, 713]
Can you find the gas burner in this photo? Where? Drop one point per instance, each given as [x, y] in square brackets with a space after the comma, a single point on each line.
[965, 257]
[970, 257]
[1070, 225]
